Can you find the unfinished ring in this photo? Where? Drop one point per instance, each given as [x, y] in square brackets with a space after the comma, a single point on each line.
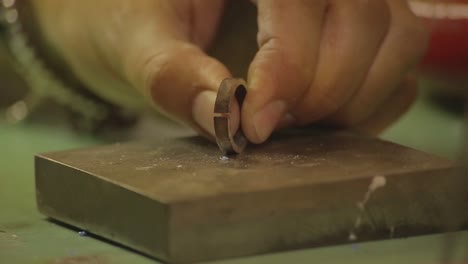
[228, 143]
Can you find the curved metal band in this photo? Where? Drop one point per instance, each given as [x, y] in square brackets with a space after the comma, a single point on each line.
[228, 143]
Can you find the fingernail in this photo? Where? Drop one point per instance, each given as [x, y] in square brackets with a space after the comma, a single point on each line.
[266, 120]
[202, 110]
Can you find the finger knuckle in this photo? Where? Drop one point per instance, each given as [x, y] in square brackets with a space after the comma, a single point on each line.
[153, 66]
[152, 69]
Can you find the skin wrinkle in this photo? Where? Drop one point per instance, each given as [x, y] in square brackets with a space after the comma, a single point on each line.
[156, 60]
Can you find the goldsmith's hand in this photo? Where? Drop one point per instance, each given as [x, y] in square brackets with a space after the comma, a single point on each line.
[338, 61]
[154, 47]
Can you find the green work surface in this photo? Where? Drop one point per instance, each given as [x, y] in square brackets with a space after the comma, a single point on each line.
[28, 237]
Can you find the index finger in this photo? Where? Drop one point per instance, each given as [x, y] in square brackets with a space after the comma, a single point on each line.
[282, 70]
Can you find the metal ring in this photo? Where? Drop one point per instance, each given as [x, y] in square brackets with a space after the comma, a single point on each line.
[228, 143]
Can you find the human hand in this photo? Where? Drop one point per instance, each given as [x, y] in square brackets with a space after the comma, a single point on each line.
[341, 62]
[124, 49]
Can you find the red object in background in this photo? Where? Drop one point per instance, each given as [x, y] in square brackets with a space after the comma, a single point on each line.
[448, 23]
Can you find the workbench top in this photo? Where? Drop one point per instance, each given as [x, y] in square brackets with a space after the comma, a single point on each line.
[28, 237]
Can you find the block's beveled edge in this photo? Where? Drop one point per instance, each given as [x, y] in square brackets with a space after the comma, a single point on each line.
[126, 224]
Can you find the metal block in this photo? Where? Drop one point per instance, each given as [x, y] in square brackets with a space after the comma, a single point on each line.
[179, 200]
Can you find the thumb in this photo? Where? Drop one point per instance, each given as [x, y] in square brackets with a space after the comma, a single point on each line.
[181, 81]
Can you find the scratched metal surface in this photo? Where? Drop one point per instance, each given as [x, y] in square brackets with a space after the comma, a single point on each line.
[192, 168]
